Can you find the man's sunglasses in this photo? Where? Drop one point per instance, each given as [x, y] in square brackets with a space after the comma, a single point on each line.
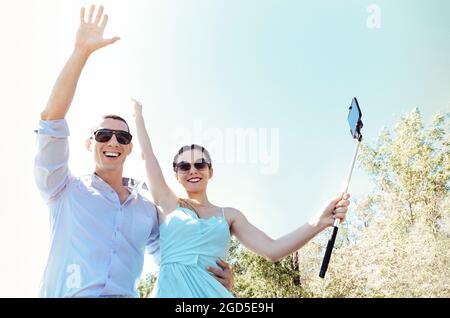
[184, 166]
[105, 135]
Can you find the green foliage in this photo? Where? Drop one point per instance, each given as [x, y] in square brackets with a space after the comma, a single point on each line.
[145, 286]
[256, 277]
[402, 229]
[410, 167]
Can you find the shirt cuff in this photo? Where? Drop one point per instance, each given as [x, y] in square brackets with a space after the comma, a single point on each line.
[54, 128]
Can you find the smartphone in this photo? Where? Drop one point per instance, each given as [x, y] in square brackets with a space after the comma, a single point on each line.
[354, 120]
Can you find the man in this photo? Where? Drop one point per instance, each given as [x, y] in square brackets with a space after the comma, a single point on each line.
[101, 225]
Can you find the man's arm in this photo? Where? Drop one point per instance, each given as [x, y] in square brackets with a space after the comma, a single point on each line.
[89, 39]
[51, 170]
[223, 275]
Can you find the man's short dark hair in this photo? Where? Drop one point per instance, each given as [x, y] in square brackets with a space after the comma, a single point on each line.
[116, 118]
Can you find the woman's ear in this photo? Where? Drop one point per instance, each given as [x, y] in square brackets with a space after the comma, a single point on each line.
[89, 145]
[211, 173]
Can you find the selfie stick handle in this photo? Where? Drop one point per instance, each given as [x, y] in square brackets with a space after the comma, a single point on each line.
[330, 245]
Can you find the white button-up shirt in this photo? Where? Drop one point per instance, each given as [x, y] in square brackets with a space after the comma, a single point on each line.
[97, 244]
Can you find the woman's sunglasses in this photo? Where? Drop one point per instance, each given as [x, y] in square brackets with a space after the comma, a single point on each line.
[105, 135]
[184, 166]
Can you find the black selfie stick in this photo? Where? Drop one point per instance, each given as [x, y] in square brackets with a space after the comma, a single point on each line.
[355, 128]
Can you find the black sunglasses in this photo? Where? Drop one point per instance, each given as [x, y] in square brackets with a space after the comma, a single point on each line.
[105, 135]
[186, 166]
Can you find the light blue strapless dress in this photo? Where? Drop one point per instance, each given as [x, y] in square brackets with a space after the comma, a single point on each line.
[188, 246]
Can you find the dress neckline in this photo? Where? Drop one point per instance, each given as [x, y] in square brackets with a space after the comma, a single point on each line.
[222, 216]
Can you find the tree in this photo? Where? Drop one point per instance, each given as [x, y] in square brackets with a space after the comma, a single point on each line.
[410, 168]
[401, 232]
[254, 276]
[146, 285]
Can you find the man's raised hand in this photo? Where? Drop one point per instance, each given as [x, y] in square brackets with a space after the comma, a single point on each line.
[90, 34]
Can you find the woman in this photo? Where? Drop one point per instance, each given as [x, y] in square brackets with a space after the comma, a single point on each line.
[194, 232]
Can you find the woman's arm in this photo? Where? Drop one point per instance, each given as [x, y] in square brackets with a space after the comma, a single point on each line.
[260, 243]
[164, 197]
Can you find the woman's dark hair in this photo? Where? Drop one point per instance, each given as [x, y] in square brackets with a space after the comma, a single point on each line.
[192, 147]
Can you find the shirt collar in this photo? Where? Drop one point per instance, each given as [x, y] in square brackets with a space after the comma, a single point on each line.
[132, 184]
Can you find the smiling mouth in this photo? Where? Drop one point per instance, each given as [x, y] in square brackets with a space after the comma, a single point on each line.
[112, 155]
[194, 180]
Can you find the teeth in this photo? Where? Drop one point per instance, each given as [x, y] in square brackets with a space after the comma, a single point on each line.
[194, 180]
[111, 154]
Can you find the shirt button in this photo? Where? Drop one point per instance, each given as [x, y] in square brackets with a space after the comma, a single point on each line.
[109, 276]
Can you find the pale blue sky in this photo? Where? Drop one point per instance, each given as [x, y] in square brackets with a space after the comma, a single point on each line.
[289, 65]
[295, 65]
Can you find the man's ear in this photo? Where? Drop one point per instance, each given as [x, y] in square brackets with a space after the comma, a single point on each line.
[89, 145]
[131, 148]
[211, 173]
